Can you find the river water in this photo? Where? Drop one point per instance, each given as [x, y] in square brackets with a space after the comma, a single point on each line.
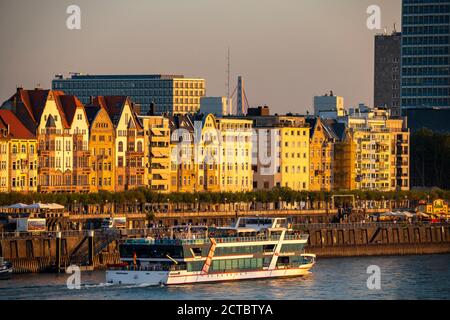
[407, 277]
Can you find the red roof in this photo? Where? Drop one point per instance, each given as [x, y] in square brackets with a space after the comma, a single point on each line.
[17, 130]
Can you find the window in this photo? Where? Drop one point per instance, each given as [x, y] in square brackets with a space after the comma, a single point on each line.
[120, 146]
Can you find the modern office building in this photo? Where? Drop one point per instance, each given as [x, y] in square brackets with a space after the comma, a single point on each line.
[219, 106]
[425, 54]
[387, 72]
[172, 94]
[329, 106]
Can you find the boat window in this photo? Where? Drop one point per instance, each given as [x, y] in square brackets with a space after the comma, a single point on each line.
[269, 248]
[196, 252]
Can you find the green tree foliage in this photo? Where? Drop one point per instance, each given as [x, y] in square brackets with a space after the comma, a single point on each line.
[144, 195]
[430, 159]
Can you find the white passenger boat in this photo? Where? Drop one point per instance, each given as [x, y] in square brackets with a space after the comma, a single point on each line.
[254, 248]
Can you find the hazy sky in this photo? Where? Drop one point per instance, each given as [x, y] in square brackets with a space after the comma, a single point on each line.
[286, 50]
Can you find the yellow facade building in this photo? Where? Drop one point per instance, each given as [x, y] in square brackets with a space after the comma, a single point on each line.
[322, 140]
[235, 154]
[382, 150]
[18, 155]
[186, 95]
[400, 153]
[157, 152]
[183, 168]
[129, 141]
[282, 152]
[102, 148]
[62, 132]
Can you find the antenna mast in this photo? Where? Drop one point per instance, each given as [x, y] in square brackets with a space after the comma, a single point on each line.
[228, 73]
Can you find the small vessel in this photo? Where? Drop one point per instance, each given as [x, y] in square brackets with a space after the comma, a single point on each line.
[6, 269]
[254, 248]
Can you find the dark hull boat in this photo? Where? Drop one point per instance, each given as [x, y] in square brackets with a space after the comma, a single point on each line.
[6, 269]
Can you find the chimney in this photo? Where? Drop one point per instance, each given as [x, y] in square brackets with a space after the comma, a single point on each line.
[152, 109]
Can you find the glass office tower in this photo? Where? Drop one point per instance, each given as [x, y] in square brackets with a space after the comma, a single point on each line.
[172, 94]
[425, 54]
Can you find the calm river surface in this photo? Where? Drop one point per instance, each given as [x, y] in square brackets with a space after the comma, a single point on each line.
[411, 277]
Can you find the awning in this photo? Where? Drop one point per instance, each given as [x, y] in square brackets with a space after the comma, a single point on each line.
[18, 206]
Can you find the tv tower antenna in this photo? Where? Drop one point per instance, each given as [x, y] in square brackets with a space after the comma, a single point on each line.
[228, 73]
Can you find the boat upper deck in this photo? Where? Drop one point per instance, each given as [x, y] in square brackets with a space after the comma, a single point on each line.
[205, 240]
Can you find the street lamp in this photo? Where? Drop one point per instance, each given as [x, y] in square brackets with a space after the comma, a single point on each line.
[254, 203]
[106, 205]
[307, 202]
[136, 205]
[279, 202]
[75, 205]
[168, 204]
[196, 205]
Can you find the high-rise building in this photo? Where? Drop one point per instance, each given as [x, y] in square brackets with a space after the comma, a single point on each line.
[387, 72]
[425, 54]
[172, 94]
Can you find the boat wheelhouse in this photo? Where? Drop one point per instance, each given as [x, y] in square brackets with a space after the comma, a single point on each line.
[253, 248]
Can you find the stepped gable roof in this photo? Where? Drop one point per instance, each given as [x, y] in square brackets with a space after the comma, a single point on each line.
[17, 129]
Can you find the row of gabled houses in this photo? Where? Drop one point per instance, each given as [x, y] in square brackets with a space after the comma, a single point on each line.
[52, 143]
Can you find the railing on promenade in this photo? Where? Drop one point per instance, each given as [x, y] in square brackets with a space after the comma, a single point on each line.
[168, 231]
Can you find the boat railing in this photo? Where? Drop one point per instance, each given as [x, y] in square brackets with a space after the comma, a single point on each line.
[150, 267]
[218, 240]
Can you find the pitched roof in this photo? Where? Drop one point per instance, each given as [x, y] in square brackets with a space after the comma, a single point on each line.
[29, 105]
[17, 130]
[91, 113]
[339, 129]
[69, 105]
[112, 104]
[50, 122]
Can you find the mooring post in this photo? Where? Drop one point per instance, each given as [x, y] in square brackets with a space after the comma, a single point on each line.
[58, 252]
[91, 247]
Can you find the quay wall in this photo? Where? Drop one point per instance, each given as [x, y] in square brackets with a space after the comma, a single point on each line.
[38, 253]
